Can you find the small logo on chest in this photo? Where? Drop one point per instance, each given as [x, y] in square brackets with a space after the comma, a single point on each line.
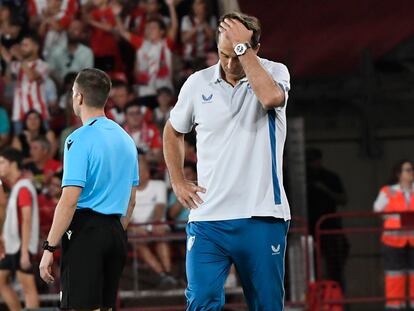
[207, 98]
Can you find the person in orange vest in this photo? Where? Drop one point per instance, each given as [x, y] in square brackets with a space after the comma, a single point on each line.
[398, 246]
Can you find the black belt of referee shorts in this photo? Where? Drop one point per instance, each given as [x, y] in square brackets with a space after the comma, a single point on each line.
[89, 211]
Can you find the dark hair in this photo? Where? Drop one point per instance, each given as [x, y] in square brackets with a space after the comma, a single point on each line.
[191, 165]
[33, 37]
[250, 22]
[132, 103]
[44, 142]
[209, 11]
[94, 85]
[119, 83]
[12, 155]
[165, 90]
[159, 21]
[42, 129]
[397, 169]
[58, 174]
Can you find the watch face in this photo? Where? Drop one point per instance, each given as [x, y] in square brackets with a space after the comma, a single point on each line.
[240, 48]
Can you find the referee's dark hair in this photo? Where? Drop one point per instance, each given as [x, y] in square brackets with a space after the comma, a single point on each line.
[94, 85]
[12, 155]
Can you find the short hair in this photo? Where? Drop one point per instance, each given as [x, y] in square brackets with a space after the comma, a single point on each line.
[94, 85]
[191, 165]
[250, 22]
[133, 103]
[33, 37]
[159, 21]
[13, 155]
[165, 90]
[59, 174]
[119, 84]
[43, 141]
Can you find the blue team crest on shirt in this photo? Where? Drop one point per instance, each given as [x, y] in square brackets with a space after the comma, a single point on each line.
[207, 99]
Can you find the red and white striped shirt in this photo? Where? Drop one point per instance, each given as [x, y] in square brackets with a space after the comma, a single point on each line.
[28, 94]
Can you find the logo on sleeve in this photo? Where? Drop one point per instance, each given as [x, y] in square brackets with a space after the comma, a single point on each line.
[69, 143]
[207, 99]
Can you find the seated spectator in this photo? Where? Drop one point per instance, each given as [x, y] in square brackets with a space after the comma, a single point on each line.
[30, 73]
[41, 167]
[141, 13]
[146, 135]
[154, 53]
[53, 23]
[4, 127]
[48, 202]
[198, 31]
[103, 42]
[151, 199]
[33, 127]
[162, 111]
[176, 211]
[40, 10]
[72, 56]
[118, 98]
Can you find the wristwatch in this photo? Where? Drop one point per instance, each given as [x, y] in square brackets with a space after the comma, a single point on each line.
[48, 247]
[241, 48]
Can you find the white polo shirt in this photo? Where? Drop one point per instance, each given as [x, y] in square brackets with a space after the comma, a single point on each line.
[239, 145]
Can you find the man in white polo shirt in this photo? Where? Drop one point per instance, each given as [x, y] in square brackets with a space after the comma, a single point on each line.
[239, 211]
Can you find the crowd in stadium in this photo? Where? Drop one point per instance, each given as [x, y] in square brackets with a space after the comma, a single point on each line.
[148, 50]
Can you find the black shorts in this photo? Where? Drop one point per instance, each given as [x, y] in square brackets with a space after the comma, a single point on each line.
[11, 262]
[94, 251]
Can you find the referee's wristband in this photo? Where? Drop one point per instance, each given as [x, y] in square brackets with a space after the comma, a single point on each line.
[48, 247]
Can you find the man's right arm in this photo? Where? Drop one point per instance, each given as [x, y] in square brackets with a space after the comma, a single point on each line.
[185, 191]
[131, 205]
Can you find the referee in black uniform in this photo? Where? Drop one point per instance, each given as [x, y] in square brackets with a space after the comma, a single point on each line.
[99, 184]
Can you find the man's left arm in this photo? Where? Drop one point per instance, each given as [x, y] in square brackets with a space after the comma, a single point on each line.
[62, 218]
[269, 93]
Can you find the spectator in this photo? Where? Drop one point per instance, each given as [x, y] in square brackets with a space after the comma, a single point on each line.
[32, 128]
[141, 13]
[10, 27]
[190, 153]
[154, 53]
[4, 127]
[41, 167]
[103, 42]
[212, 57]
[151, 200]
[398, 246]
[146, 135]
[30, 73]
[198, 31]
[73, 56]
[40, 10]
[325, 193]
[20, 233]
[162, 111]
[47, 203]
[118, 97]
[176, 211]
[52, 28]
